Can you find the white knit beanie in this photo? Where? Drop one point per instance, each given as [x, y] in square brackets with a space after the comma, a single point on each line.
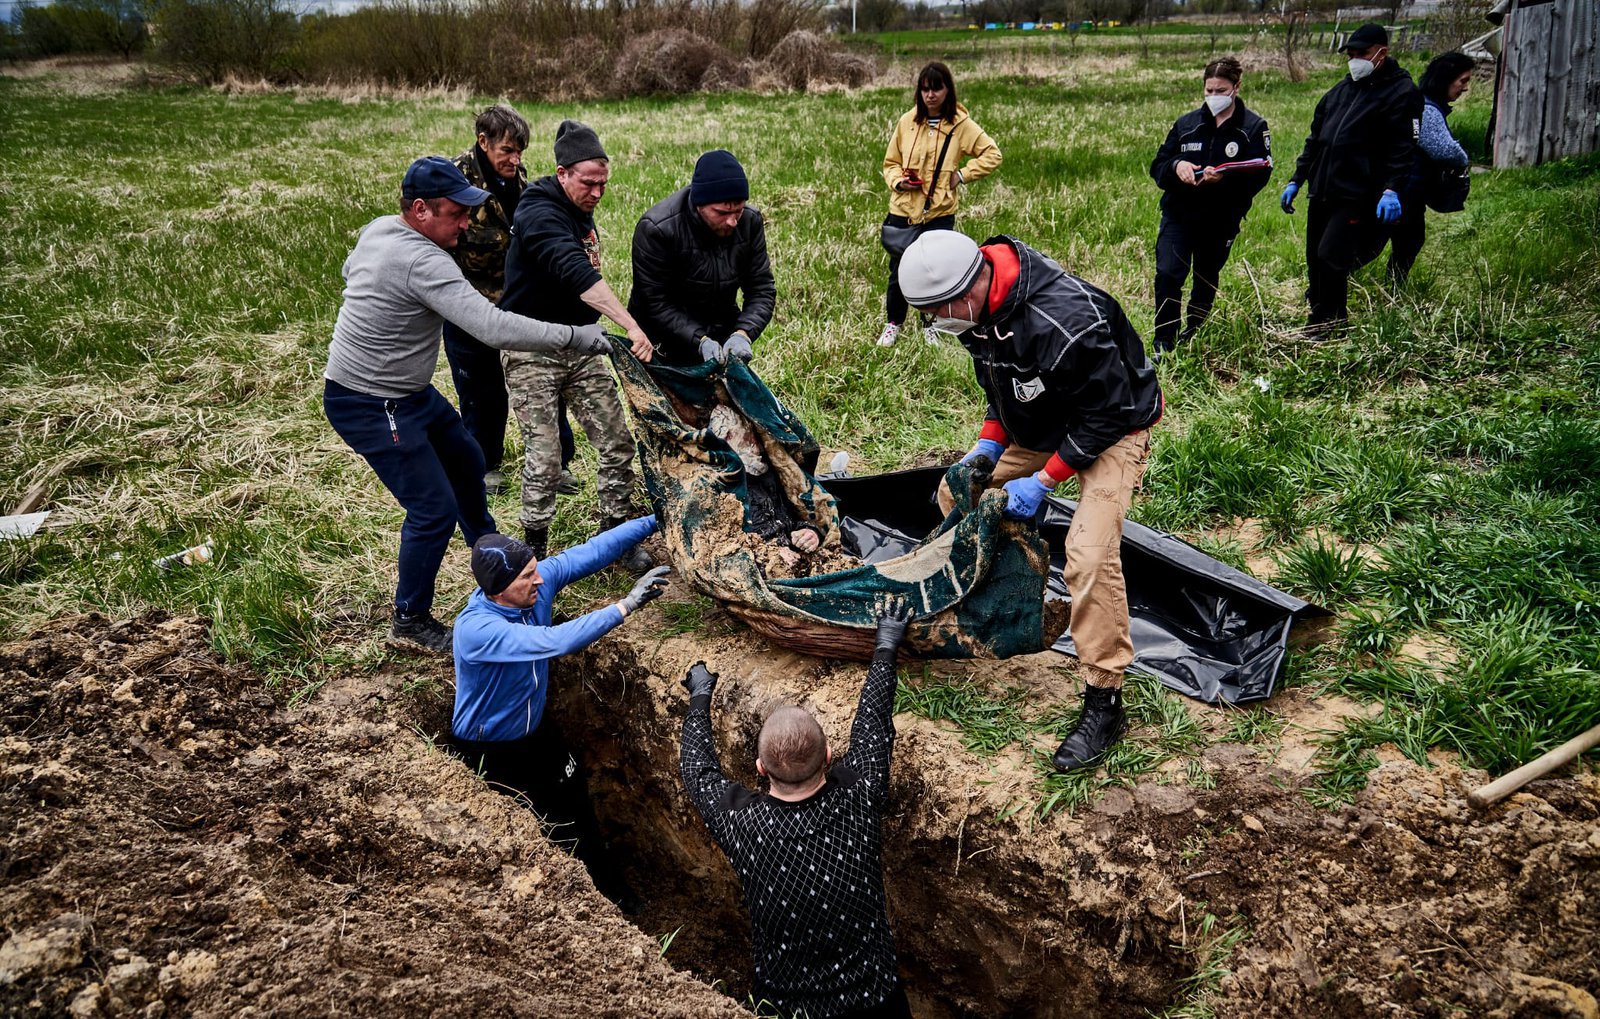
[938, 267]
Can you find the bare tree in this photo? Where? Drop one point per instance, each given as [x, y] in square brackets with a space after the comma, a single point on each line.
[1453, 22]
[1293, 18]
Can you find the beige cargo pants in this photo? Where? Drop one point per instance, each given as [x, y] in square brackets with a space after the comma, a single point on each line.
[1094, 549]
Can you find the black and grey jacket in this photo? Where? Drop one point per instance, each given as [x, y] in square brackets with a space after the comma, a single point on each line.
[812, 871]
[1195, 137]
[554, 257]
[687, 280]
[1363, 137]
[1060, 363]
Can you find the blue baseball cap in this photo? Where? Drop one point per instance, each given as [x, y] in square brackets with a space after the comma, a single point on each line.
[437, 177]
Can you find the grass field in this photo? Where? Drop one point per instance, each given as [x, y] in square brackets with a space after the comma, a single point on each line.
[171, 277]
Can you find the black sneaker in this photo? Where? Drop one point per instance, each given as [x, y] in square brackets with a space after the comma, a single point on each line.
[421, 630]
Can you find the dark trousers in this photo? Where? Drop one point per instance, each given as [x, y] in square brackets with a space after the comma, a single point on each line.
[540, 770]
[894, 302]
[1180, 244]
[480, 391]
[432, 467]
[1405, 241]
[480, 381]
[1341, 237]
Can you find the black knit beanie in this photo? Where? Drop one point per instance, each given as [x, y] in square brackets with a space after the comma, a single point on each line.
[576, 142]
[498, 560]
[718, 177]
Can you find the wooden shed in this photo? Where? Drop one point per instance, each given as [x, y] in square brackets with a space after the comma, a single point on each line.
[1547, 95]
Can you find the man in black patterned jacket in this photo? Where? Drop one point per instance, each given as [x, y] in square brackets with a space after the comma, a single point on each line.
[809, 852]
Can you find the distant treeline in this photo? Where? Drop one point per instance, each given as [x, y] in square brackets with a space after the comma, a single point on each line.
[528, 48]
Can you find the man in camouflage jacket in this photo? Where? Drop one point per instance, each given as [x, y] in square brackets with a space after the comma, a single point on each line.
[493, 163]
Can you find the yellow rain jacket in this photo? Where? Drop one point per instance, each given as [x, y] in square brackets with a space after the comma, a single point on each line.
[914, 146]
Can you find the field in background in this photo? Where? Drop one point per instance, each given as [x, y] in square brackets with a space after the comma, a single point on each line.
[172, 276]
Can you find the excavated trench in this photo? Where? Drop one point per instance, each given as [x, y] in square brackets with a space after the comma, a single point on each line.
[982, 915]
[1212, 871]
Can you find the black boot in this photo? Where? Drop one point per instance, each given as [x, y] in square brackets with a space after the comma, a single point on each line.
[636, 560]
[1099, 727]
[538, 539]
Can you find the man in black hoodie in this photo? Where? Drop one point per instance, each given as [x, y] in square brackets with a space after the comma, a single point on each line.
[1361, 151]
[553, 264]
[1070, 391]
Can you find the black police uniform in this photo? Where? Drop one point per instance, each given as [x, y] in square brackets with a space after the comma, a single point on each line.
[1363, 142]
[1199, 223]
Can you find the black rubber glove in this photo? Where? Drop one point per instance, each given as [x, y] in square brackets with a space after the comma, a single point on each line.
[892, 624]
[699, 680]
[982, 470]
[647, 589]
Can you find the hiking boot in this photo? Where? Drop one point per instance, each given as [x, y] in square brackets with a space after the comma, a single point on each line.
[568, 483]
[636, 560]
[889, 334]
[420, 629]
[494, 482]
[1098, 728]
[538, 539]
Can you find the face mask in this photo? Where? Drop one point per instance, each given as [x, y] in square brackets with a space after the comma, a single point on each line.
[1216, 104]
[1360, 68]
[955, 326]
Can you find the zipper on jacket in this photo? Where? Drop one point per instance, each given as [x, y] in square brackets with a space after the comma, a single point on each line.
[394, 428]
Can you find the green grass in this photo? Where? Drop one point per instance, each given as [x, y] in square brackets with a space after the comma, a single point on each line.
[172, 277]
[1211, 946]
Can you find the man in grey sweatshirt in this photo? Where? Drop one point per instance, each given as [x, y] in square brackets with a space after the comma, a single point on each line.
[401, 285]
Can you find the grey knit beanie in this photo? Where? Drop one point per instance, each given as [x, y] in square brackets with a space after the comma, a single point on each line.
[576, 142]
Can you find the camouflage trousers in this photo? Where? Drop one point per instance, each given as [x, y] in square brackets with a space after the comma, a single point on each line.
[536, 384]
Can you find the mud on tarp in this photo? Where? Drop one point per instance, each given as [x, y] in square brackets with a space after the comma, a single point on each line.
[1202, 627]
[976, 579]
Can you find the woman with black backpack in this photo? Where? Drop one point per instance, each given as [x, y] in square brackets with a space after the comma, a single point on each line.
[1442, 182]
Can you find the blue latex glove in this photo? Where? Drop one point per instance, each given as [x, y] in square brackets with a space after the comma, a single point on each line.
[985, 448]
[1286, 200]
[1389, 207]
[1024, 496]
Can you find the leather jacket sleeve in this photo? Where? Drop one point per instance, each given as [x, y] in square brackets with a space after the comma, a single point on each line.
[651, 256]
[758, 288]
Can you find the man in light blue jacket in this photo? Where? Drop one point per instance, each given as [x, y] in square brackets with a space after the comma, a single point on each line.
[504, 641]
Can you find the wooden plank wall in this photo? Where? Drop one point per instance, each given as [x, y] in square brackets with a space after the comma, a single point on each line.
[1549, 102]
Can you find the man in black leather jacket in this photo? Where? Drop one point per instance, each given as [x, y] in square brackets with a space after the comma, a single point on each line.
[1360, 154]
[1070, 391]
[694, 252]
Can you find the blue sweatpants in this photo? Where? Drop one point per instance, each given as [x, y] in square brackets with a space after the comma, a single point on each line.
[434, 469]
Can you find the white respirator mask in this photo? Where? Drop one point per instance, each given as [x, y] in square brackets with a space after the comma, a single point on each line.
[1360, 68]
[1216, 104]
[953, 325]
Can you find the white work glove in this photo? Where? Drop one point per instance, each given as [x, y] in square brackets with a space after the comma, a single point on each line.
[589, 339]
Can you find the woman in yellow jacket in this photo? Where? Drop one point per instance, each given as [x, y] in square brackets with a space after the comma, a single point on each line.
[925, 186]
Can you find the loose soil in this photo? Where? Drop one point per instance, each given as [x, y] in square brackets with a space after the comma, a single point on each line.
[179, 841]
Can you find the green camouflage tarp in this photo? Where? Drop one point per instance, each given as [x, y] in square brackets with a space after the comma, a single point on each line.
[976, 584]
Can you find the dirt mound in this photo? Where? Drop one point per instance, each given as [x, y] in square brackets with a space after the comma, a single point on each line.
[177, 841]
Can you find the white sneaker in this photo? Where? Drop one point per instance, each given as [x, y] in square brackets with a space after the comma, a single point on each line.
[930, 336]
[890, 332]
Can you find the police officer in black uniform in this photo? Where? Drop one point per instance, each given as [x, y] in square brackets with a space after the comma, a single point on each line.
[1211, 166]
[1360, 154]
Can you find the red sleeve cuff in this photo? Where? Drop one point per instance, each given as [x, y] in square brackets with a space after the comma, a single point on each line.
[995, 431]
[1057, 469]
